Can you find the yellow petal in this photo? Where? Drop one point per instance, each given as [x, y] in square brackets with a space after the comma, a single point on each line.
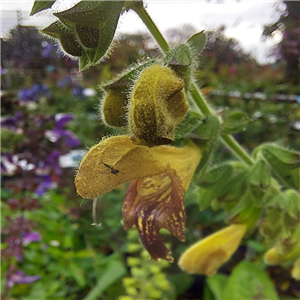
[272, 257]
[206, 256]
[152, 203]
[117, 160]
[296, 270]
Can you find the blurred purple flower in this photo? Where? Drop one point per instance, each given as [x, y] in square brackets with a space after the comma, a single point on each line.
[34, 93]
[64, 81]
[47, 50]
[45, 184]
[19, 278]
[62, 119]
[13, 123]
[56, 135]
[77, 91]
[59, 133]
[29, 237]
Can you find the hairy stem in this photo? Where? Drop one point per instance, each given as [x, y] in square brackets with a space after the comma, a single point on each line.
[237, 150]
[142, 13]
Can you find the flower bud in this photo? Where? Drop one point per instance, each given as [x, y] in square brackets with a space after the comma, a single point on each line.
[114, 109]
[206, 256]
[158, 103]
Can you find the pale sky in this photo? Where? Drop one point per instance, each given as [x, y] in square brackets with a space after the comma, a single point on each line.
[243, 19]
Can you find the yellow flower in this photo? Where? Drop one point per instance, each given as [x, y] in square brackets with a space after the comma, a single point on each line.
[155, 198]
[206, 256]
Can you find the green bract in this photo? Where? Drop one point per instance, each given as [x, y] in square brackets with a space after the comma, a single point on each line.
[65, 37]
[86, 30]
[39, 6]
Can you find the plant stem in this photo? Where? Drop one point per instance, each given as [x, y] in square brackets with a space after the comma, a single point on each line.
[196, 94]
[237, 150]
[142, 13]
[200, 100]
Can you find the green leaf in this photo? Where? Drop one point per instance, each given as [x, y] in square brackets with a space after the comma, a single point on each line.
[94, 24]
[236, 187]
[213, 184]
[284, 162]
[235, 122]
[191, 121]
[209, 129]
[288, 205]
[288, 157]
[259, 181]
[77, 273]
[197, 42]
[248, 282]
[114, 271]
[216, 284]
[40, 6]
[206, 137]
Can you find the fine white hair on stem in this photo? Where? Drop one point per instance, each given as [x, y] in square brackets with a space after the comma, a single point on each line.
[95, 213]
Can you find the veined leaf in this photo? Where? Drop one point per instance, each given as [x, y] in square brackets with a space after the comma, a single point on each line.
[248, 282]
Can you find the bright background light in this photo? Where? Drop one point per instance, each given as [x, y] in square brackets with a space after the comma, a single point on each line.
[243, 19]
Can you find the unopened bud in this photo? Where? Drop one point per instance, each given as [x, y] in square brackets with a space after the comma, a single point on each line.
[158, 103]
[114, 109]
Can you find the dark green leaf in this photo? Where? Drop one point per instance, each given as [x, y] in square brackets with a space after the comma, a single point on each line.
[40, 6]
[213, 184]
[88, 36]
[94, 24]
[236, 187]
[66, 38]
[248, 282]
[234, 122]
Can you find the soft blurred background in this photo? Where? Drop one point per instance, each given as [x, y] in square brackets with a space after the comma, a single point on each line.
[49, 117]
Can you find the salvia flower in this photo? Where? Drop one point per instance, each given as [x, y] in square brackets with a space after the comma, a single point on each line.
[206, 256]
[159, 177]
[19, 278]
[30, 237]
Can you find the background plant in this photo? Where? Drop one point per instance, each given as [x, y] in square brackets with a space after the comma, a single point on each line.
[76, 263]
